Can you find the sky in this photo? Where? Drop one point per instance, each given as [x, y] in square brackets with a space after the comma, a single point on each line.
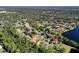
[39, 2]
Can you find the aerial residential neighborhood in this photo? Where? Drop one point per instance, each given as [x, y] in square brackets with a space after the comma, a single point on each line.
[37, 29]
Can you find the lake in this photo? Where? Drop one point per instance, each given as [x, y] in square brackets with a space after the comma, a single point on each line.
[72, 34]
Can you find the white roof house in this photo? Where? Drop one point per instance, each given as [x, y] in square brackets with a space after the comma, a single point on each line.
[0, 47]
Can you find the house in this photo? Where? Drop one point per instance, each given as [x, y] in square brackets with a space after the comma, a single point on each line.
[0, 47]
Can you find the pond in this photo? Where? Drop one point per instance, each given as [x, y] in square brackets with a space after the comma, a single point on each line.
[72, 34]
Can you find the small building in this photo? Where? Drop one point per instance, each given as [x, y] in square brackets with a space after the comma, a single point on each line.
[0, 47]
